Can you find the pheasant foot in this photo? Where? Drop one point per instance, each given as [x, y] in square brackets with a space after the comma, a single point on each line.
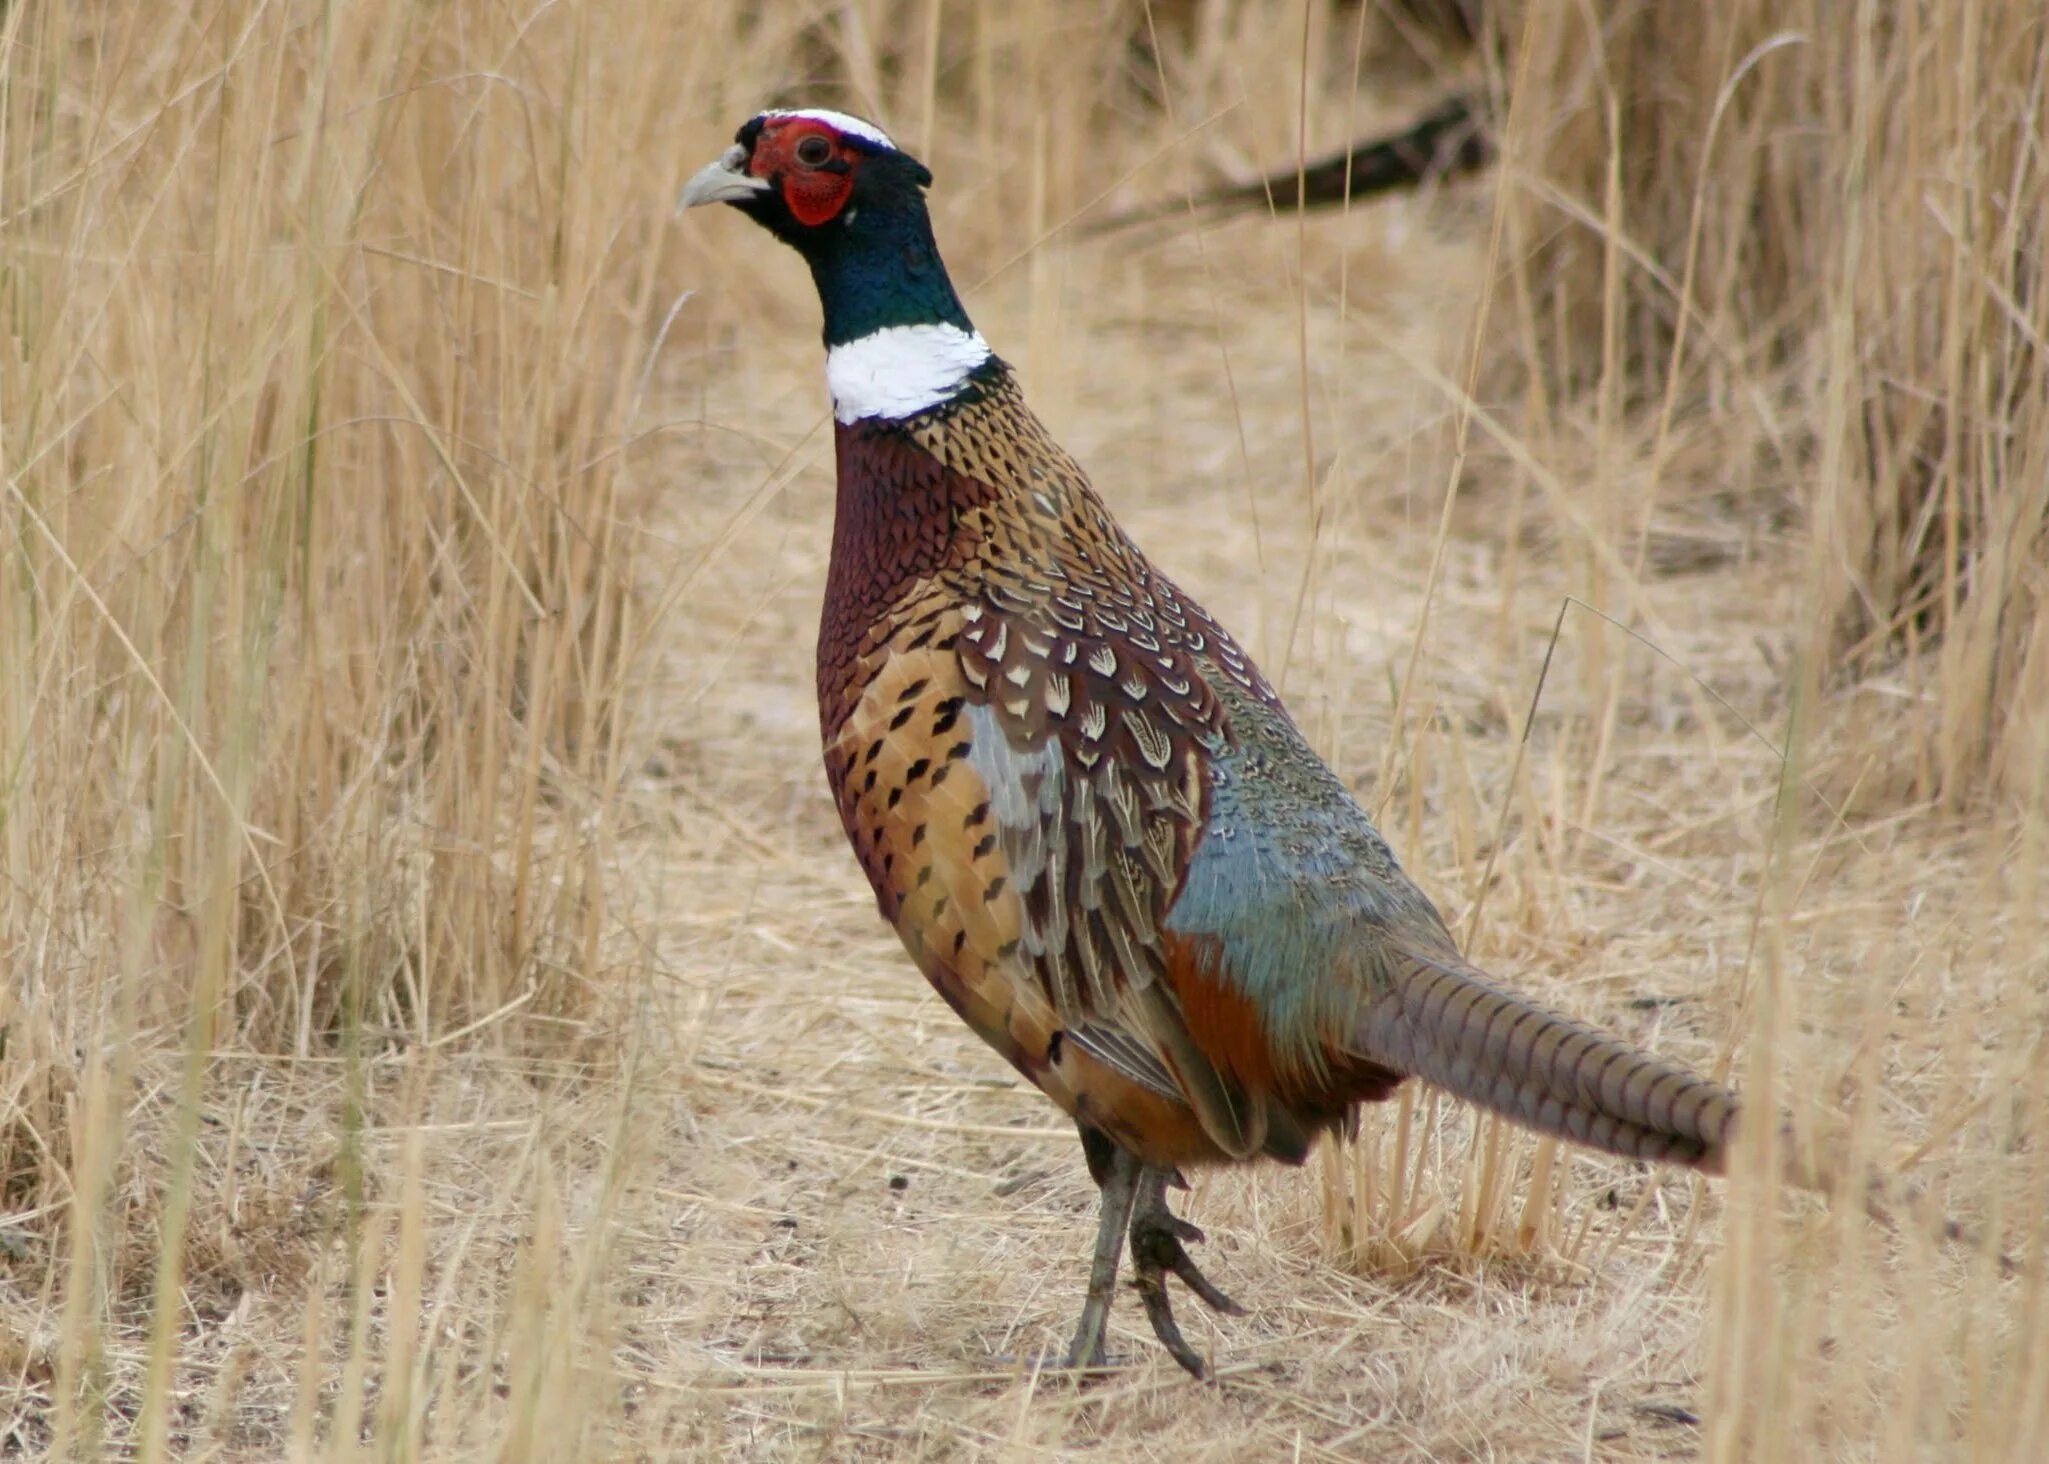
[1156, 1253]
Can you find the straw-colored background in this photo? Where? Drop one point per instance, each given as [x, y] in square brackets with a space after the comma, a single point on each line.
[440, 1016]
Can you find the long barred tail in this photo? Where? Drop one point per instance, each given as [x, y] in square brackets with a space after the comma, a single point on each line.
[1447, 1024]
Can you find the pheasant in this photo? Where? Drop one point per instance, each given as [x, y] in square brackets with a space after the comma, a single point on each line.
[1080, 805]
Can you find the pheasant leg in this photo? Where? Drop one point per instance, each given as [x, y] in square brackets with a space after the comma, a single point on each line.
[1157, 1252]
[1119, 1183]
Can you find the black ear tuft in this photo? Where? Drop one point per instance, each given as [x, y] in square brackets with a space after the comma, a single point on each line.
[920, 174]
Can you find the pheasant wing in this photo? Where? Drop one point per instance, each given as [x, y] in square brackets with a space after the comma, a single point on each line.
[1091, 726]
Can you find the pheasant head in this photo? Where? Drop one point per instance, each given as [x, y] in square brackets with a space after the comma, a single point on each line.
[842, 194]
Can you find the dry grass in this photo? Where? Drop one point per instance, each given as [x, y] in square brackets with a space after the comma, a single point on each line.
[1852, 201]
[440, 1018]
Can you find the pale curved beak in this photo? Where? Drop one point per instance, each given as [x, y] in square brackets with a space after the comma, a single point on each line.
[725, 181]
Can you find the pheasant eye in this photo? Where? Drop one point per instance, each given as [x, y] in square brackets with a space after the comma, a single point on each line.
[814, 151]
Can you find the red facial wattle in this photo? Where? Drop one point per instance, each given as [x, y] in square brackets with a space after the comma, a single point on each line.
[813, 191]
[815, 197]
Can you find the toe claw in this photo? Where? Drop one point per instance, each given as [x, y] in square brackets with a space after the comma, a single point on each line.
[1152, 1290]
[1202, 1286]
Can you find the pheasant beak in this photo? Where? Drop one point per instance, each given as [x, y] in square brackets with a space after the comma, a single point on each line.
[724, 181]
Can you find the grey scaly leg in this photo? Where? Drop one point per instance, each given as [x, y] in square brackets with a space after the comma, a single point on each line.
[1118, 1179]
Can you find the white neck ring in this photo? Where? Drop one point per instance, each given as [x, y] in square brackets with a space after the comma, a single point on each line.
[901, 370]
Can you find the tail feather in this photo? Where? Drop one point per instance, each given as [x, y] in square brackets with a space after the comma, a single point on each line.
[1450, 1026]
[1446, 1023]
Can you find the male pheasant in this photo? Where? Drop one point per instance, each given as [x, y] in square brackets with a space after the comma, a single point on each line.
[1081, 806]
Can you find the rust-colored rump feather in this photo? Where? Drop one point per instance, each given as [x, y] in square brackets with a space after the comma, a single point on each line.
[1221, 1020]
